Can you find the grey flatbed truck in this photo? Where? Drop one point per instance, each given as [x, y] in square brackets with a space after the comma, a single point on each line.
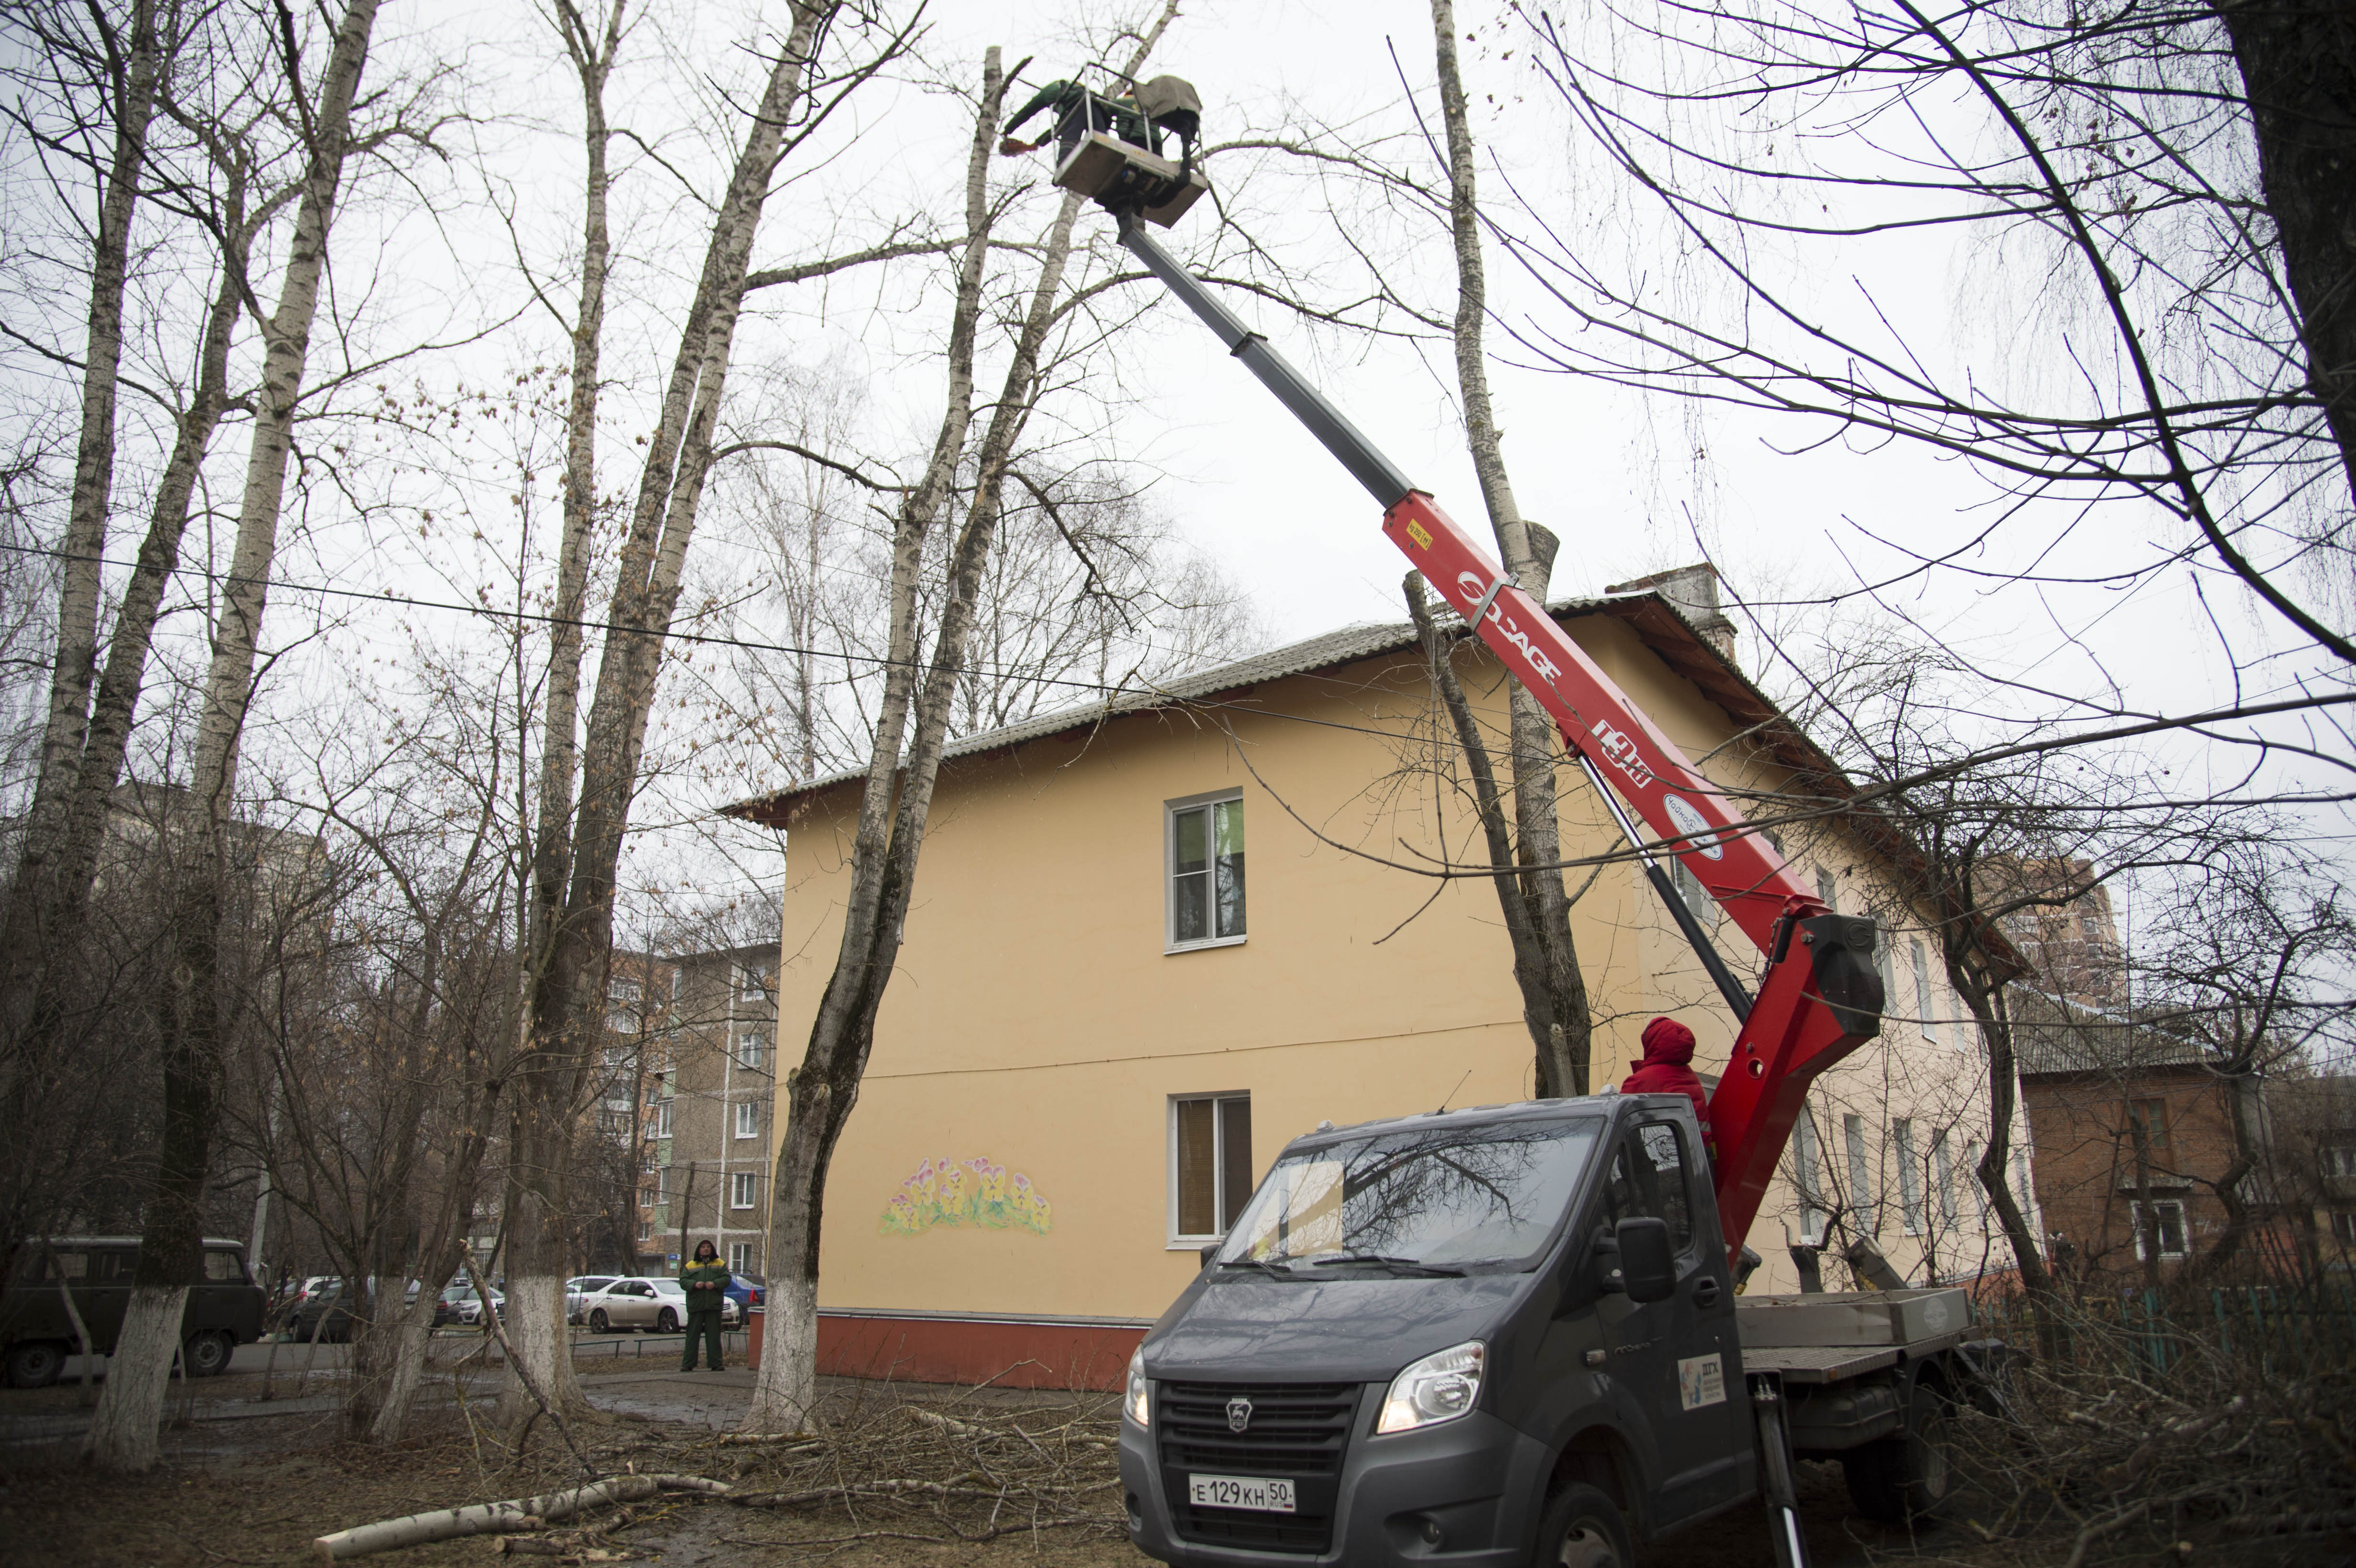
[1506, 1336]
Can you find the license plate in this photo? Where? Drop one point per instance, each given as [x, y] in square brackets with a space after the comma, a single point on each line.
[1255, 1493]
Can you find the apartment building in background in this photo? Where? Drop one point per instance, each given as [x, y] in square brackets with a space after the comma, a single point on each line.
[704, 1111]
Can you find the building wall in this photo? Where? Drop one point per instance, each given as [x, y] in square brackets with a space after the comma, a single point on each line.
[1036, 1025]
[2086, 1153]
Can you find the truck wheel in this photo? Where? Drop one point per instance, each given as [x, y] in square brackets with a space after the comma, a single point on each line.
[1910, 1475]
[35, 1364]
[206, 1355]
[1582, 1529]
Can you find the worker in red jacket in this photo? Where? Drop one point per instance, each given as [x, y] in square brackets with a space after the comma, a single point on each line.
[1667, 1069]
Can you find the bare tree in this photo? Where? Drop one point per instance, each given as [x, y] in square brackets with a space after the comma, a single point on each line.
[191, 1015]
[573, 936]
[2161, 180]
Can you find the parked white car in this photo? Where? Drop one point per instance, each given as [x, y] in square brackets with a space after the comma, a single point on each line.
[646, 1302]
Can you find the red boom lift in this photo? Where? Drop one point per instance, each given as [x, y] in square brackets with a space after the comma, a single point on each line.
[1820, 996]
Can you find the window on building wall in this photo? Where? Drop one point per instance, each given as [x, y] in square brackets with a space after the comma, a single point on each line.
[1886, 965]
[1206, 872]
[1972, 1177]
[2340, 1162]
[2161, 1225]
[1861, 1175]
[740, 1190]
[753, 983]
[753, 1048]
[2149, 1117]
[1808, 1175]
[1943, 1161]
[1924, 1008]
[740, 1257]
[649, 1196]
[1911, 1215]
[1210, 1163]
[748, 1119]
[1824, 888]
[2344, 1227]
[622, 1016]
[646, 1231]
[1689, 888]
[659, 1124]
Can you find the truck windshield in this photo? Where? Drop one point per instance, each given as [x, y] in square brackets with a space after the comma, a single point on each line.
[1452, 1197]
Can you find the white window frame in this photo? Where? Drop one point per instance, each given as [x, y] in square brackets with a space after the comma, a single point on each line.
[748, 1118]
[744, 1189]
[1807, 1171]
[1942, 1157]
[1928, 1015]
[1914, 1217]
[753, 1048]
[660, 1126]
[1170, 810]
[2159, 1230]
[1864, 1213]
[740, 1257]
[1180, 1241]
[752, 983]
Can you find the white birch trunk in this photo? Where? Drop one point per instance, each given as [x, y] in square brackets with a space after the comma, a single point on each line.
[30, 946]
[192, 1026]
[1554, 992]
[123, 1428]
[568, 985]
[820, 1093]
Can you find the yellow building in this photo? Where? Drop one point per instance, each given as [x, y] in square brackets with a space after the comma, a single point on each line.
[1101, 1029]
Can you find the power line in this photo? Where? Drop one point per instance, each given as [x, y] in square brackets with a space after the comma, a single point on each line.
[489, 612]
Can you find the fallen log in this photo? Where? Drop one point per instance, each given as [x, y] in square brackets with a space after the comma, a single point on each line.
[490, 1519]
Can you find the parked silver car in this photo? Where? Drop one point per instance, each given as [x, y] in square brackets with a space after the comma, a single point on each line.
[647, 1302]
[579, 1289]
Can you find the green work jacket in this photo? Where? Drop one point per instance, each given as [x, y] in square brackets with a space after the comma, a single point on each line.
[707, 1286]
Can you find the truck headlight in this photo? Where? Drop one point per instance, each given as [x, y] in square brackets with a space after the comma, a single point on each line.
[1134, 1402]
[1440, 1387]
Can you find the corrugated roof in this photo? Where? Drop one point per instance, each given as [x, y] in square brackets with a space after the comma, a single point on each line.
[2053, 1035]
[1322, 652]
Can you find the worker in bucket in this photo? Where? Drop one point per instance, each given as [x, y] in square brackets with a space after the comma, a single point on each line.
[1667, 1069]
[1077, 112]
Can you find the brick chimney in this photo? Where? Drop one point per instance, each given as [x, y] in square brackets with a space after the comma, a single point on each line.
[1693, 589]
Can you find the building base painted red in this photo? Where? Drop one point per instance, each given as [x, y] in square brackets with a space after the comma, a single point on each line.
[1002, 1351]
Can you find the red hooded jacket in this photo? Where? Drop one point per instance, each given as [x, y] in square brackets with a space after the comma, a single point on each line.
[1667, 1067]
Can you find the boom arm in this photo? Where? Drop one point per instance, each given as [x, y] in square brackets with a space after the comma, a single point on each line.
[1821, 997]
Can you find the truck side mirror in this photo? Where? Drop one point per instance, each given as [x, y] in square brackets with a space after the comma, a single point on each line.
[1209, 1252]
[1648, 1265]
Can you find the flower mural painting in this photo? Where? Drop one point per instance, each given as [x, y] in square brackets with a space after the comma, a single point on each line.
[978, 1192]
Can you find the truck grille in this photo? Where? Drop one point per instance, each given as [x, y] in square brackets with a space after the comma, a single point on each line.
[1298, 1430]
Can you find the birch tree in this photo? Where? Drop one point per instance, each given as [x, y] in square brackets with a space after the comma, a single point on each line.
[113, 63]
[573, 936]
[191, 1017]
[1535, 899]
[915, 711]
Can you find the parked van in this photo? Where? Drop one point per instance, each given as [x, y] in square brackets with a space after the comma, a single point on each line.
[224, 1309]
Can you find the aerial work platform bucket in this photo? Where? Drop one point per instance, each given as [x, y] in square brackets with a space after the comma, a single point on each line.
[1121, 175]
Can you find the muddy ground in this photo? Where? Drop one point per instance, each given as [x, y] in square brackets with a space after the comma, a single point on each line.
[905, 1475]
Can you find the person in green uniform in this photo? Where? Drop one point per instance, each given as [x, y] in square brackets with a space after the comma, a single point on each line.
[707, 1281]
[1077, 112]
